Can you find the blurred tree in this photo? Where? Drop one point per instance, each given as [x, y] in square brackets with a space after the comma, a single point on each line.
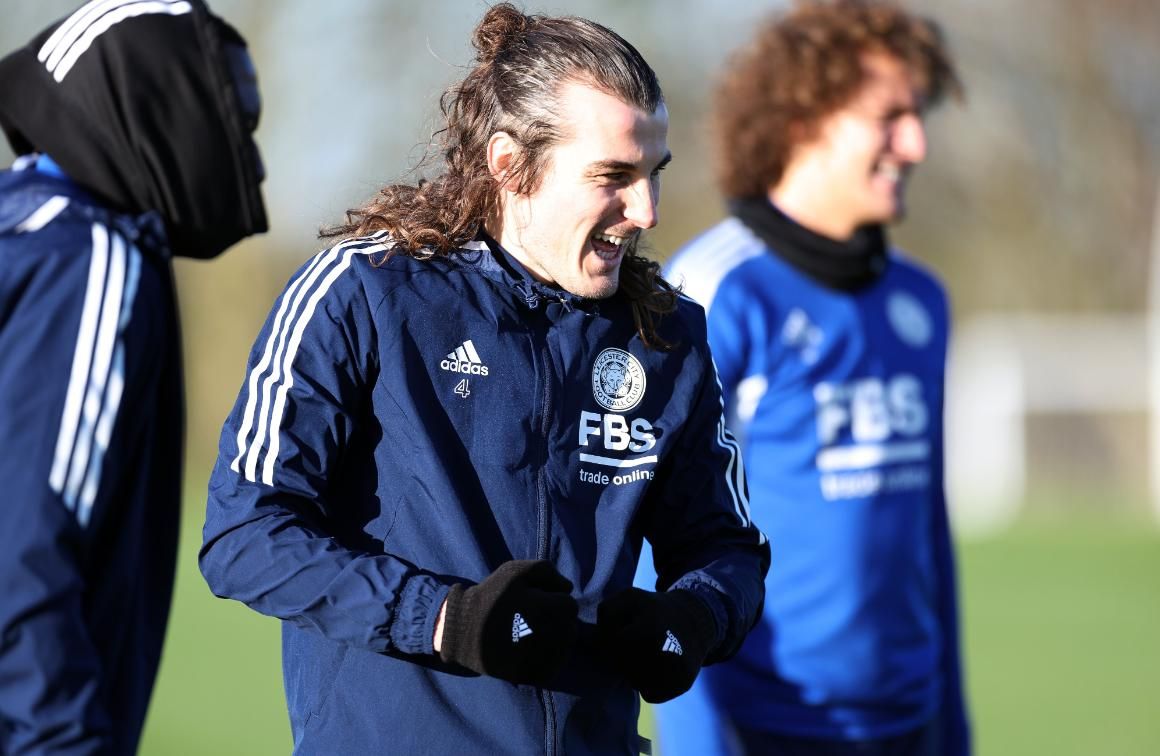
[1039, 194]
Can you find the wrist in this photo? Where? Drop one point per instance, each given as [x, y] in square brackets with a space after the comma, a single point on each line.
[411, 622]
[699, 615]
[450, 633]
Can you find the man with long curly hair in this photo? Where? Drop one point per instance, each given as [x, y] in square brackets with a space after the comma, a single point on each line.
[831, 349]
[460, 422]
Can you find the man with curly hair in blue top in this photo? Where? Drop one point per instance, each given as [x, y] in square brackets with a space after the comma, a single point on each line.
[831, 348]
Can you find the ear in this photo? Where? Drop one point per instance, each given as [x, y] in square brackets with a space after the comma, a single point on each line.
[501, 155]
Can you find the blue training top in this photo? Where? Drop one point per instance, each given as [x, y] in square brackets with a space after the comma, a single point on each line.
[837, 398]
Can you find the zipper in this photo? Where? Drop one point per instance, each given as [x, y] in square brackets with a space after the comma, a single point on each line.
[542, 545]
[549, 722]
[542, 515]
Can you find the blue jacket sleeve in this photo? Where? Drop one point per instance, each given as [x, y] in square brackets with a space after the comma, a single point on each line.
[267, 542]
[700, 529]
[955, 725]
[49, 667]
[729, 338]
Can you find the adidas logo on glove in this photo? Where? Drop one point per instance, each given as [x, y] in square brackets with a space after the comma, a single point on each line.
[671, 644]
[520, 629]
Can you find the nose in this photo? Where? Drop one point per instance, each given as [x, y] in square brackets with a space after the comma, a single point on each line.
[908, 139]
[259, 164]
[640, 206]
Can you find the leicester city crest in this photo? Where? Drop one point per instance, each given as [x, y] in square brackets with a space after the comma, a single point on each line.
[910, 319]
[617, 380]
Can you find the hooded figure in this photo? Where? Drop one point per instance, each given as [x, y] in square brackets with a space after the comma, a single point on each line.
[140, 104]
[133, 124]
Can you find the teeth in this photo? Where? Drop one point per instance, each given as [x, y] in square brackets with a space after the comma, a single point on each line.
[890, 171]
[617, 240]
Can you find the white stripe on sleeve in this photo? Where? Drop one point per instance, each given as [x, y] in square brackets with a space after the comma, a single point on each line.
[98, 380]
[735, 470]
[102, 437]
[291, 352]
[259, 369]
[82, 357]
[43, 215]
[260, 437]
[258, 399]
[104, 432]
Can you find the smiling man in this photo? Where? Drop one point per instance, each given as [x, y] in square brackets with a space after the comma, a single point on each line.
[459, 423]
[599, 193]
[831, 350]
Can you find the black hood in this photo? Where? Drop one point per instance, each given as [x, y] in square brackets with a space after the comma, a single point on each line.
[140, 108]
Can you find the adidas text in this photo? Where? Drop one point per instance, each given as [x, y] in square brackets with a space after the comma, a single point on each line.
[463, 367]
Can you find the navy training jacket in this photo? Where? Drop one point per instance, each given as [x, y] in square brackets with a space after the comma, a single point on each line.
[409, 424]
[90, 466]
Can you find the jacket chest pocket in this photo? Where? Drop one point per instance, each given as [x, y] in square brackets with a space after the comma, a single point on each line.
[493, 419]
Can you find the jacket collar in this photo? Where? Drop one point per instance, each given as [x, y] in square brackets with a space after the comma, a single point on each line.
[26, 188]
[497, 262]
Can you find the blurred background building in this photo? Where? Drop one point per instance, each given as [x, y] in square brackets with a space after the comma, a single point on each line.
[1039, 205]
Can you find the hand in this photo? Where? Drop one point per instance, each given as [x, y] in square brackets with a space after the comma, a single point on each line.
[658, 641]
[519, 624]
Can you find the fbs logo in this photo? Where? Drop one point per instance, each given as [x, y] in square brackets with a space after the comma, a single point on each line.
[464, 360]
[520, 628]
[671, 644]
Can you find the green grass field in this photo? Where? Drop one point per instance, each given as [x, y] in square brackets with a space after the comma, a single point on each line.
[1062, 633]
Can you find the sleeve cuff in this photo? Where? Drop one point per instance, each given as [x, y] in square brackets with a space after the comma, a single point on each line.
[413, 624]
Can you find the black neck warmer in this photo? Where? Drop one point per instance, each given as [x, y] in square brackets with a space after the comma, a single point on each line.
[142, 111]
[846, 266]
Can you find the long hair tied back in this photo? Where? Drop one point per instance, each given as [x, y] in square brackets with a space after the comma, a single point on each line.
[521, 63]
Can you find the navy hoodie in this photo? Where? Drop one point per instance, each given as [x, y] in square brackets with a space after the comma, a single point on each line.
[153, 157]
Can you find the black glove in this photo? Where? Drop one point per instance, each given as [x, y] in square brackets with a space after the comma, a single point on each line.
[519, 624]
[658, 641]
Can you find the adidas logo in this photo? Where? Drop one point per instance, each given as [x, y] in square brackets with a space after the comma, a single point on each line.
[464, 360]
[520, 629]
[671, 644]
